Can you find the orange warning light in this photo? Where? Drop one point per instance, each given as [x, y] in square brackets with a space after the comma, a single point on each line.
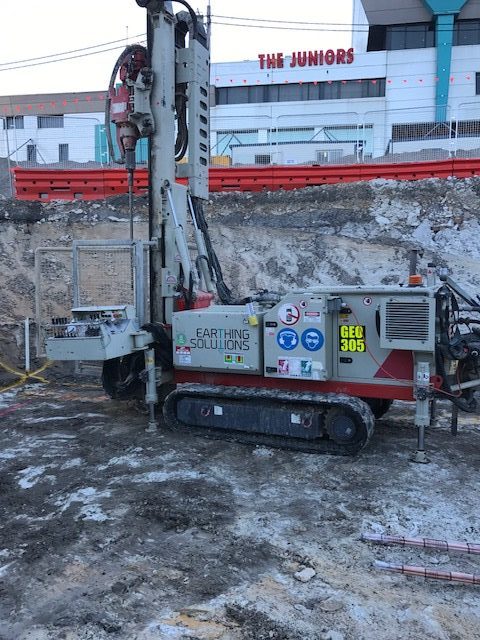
[415, 280]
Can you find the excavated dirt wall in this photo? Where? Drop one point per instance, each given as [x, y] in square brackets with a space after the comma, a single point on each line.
[357, 233]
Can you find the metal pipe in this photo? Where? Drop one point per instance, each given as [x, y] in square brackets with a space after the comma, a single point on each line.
[454, 422]
[426, 543]
[151, 395]
[465, 385]
[413, 262]
[181, 241]
[27, 345]
[423, 572]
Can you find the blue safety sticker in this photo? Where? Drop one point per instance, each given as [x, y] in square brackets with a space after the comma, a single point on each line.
[312, 339]
[287, 339]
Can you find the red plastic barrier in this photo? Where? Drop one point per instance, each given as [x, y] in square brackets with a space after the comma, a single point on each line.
[115, 181]
[241, 179]
[96, 184]
[48, 184]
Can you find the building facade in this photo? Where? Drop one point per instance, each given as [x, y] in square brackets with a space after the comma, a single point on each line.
[408, 88]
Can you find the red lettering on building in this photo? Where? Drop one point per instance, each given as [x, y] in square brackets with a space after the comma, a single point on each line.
[270, 60]
[302, 58]
[315, 58]
[330, 56]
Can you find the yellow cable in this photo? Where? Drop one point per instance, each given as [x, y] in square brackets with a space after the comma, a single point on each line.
[10, 370]
[12, 386]
[24, 377]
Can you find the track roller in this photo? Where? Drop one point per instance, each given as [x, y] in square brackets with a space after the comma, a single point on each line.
[311, 422]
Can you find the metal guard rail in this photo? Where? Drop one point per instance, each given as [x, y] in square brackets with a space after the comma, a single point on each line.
[98, 184]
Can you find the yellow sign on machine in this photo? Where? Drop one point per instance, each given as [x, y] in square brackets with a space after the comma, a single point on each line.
[352, 338]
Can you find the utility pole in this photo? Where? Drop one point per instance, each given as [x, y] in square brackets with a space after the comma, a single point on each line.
[209, 24]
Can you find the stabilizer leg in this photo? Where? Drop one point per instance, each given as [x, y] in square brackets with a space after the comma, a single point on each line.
[422, 410]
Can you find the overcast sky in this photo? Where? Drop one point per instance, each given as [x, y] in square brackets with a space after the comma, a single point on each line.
[35, 28]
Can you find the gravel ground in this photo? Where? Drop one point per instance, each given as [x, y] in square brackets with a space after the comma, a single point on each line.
[108, 531]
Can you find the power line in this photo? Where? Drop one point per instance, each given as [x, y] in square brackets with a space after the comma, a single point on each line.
[270, 20]
[324, 26]
[264, 26]
[83, 55]
[63, 53]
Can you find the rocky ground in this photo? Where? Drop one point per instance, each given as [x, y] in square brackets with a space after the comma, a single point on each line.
[107, 530]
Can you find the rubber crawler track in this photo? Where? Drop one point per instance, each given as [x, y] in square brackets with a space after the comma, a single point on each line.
[355, 407]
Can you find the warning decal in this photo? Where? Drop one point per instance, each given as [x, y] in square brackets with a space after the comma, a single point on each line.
[287, 339]
[183, 354]
[294, 367]
[313, 316]
[312, 339]
[289, 314]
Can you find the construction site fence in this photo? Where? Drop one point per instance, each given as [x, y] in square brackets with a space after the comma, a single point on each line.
[309, 136]
[96, 184]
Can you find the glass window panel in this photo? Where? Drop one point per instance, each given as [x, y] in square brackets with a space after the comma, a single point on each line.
[415, 36]
[351, 89]
[256, 94]
[237, 95]
[289, 92]
[272, 93]
[330, 90]
[466, 32]
[395, 37]
[221, 95]
[50, 122]
[313, 91]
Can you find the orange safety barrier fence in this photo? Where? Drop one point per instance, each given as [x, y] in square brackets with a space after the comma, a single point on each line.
[97, 184]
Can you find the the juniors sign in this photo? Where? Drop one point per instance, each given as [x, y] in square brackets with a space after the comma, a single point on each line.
[306, 58]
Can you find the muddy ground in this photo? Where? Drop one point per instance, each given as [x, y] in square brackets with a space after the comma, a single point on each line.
[109, 531]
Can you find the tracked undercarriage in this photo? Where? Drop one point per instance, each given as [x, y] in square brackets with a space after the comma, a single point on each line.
[313, 423]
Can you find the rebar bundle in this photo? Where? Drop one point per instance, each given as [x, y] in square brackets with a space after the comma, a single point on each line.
[423, 572]
[427, 543]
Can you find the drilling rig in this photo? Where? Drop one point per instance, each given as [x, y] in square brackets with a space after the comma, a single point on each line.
[309, 370]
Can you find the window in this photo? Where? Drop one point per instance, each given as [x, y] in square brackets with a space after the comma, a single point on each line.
[13, 122]
[272, 93]
[408, 36]
[377, 38]
[263, 158]
[352, 89]
[289, 92]
[256, 94]
[331, 90]
[31, 152]
[466, 32]
[313, 91]
[63, 152]
[50, 122]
